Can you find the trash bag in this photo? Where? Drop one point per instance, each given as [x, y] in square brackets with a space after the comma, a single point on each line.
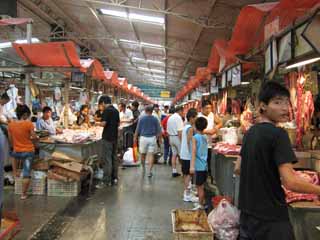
[225, 221]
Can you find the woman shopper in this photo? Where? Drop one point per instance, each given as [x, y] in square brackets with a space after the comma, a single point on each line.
[21, 135]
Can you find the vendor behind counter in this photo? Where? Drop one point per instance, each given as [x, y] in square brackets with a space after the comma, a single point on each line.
[83, 116]
[46, 123]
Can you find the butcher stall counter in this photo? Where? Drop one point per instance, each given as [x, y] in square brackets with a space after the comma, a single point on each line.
[304, 216]
[74, 146]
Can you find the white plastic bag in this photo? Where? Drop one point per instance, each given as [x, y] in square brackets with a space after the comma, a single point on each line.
[225, 221]
[128, 157]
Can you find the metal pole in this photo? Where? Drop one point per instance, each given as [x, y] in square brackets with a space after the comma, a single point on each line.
[28, 76]
[66, 103]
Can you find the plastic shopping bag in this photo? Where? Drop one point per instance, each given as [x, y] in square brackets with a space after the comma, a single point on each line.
[225, 221]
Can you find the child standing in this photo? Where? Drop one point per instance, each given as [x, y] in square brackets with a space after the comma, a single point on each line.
[21, 134]
[185, 154]
[199, 164]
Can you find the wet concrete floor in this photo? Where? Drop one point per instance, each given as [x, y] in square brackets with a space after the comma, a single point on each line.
[34, 212]
[137, 209]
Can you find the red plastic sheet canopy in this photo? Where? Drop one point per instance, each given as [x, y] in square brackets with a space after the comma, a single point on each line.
[123, 84]
[203, 74]
[287, 11]
[249, 28]
[95, 66]
[111, 78]
[57, 54]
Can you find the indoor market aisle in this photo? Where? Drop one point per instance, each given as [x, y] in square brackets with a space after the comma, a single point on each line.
[138, 208]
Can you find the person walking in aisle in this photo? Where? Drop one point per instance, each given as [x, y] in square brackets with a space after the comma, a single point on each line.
[110, 122]
[214, 124]
[136, 115]
[174, 129]
[199, 164]
[167, 149]
[185, 154]
[149, 131]
[266, 164]
[21, 135]
[156, 112]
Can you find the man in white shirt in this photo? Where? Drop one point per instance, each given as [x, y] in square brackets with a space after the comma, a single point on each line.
[214, 124]
[126, 115]
[4, 99]
[174, 128]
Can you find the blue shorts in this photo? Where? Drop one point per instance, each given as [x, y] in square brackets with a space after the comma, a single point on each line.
[27, 159]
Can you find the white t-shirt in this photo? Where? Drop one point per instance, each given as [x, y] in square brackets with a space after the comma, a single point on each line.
[174, 125]
[126, 116]
[210, 119]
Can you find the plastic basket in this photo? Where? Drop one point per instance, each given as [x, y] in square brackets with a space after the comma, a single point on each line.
[63, 189]
[38, 186]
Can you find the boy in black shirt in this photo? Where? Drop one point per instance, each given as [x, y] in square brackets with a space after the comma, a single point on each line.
[266, 164]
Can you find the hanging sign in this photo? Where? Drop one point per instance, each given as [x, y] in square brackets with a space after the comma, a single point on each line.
[165, 94]
[312, 34]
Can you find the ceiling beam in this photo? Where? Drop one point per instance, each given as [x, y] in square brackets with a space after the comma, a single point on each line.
[211, 7]
[199, 21]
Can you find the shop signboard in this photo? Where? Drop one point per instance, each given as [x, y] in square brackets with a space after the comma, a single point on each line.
[165, 94]
[302, 46]
[271, 56]
[224, 80]
[285, 47]
[213, 83]
[312, 34]
[236, 75]
[215, 90]
[229, 75]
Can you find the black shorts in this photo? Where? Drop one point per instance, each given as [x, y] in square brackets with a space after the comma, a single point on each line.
[185, 167]
[201, 177]
[254, 228]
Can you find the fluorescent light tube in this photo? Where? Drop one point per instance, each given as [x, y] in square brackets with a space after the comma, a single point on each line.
[144, 44]
[145, 18]
[155, 62]
[302, 63]
[114, 13]
[21, 41]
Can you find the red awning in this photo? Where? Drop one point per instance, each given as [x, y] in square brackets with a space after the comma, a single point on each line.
[53, 54]
[287, 11]
[95, 67]
[203, 74]
[14, 21]
[111, 78]
[249, 28]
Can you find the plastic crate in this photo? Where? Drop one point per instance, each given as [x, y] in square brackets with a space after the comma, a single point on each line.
[63, 189]
[37, 186]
